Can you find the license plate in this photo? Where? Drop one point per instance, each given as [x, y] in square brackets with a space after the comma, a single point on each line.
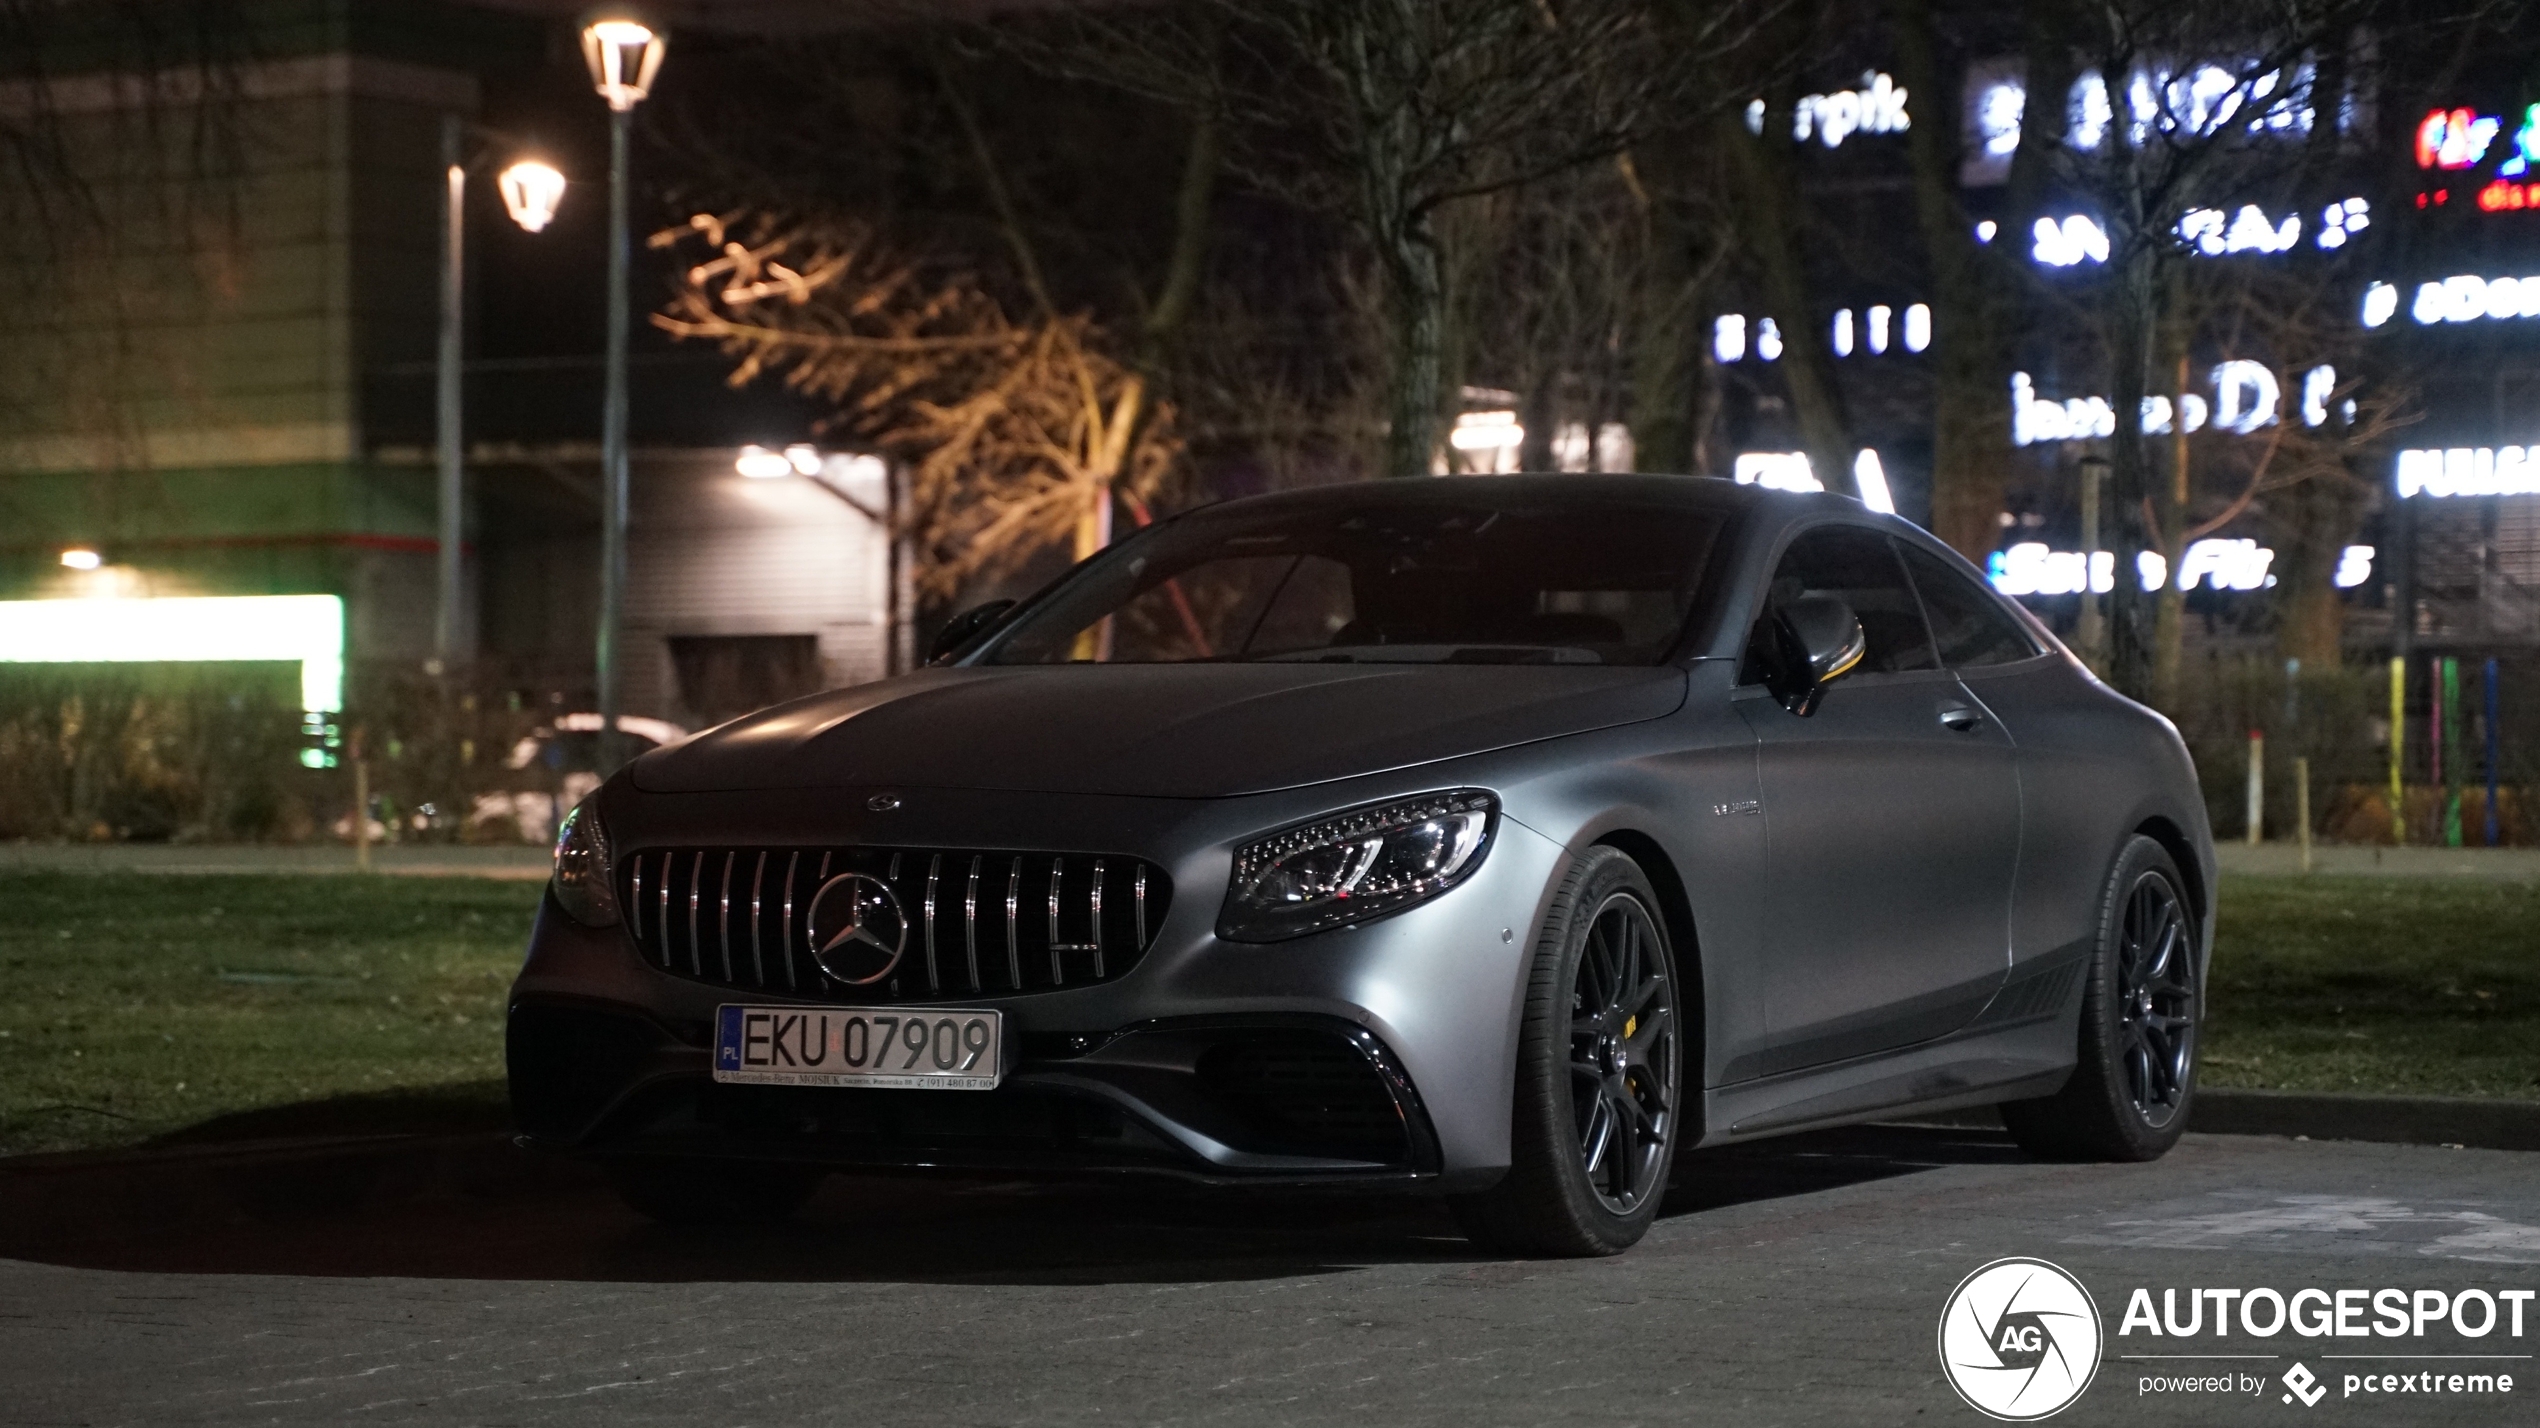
[903, 1047]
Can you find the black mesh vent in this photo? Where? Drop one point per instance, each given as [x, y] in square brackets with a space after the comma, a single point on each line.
[978, 923]
[567, 1063]
[1308, 1092]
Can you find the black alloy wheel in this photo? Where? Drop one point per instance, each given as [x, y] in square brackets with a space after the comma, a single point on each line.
[2157, 995]
[1622, 1055]
[2134, 1077]
[1595, 1111]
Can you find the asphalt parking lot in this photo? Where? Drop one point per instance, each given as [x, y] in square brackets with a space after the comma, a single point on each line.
[1798, 1281]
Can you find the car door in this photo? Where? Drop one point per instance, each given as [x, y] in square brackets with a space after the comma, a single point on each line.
[1892, 828]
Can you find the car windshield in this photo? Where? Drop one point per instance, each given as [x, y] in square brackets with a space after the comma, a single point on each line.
[1390, 578]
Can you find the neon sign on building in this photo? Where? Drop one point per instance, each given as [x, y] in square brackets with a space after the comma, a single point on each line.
[2246, 398]
[2470, 471]
[2459, 139]
[1877, 107]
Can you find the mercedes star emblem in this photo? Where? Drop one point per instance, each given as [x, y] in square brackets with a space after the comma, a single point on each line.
[857, 929]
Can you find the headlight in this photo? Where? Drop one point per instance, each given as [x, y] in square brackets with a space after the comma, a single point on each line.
[582, 881]
[1357, 865]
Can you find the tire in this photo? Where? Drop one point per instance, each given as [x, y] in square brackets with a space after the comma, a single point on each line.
[2135, 1081]
[712, 1192]
[1597, 1104]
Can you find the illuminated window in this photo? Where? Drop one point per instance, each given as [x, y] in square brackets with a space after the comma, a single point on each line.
[1728, 337]
[304, 629]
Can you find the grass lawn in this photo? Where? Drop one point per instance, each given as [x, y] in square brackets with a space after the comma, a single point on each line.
[2416, 986]
[134, 1006]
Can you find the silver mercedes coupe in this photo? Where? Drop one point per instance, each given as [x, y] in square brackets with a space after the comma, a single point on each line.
[1498, 837]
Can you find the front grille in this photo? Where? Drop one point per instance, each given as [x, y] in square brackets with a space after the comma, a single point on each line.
[978, 923]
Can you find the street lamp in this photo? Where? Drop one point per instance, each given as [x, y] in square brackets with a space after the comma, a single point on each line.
[531, 191]
[624, 54]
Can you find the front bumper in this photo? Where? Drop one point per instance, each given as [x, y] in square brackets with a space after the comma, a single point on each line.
[1383, 1051]
[1289, 1098]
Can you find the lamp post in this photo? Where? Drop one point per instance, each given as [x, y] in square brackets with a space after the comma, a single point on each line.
[445, 624]
[530, 191]
[624, 54]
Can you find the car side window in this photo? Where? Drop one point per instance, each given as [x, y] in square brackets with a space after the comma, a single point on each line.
[1967, 623]
[1859, 567]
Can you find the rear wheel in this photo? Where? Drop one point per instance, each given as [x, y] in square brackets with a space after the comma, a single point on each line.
[712, 1192]
[2131, 1090]
[1599, 1075]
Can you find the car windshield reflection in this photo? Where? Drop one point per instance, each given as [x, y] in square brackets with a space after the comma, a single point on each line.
[1390, 579]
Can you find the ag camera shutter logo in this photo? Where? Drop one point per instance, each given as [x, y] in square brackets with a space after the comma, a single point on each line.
[2019, 1339]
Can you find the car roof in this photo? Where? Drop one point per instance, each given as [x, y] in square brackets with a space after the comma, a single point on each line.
[1532, 488]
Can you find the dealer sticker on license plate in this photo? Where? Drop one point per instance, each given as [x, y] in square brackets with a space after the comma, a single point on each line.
[909, 1047]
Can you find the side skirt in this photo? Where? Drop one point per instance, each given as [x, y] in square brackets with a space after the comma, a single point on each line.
[1973, 1068]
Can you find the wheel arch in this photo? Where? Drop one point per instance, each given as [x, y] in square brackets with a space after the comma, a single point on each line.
[2175, 842]
[1677, 909]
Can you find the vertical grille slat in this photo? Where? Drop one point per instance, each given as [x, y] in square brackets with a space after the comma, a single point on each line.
[1060, 923]
[696, 946]
[1097, 919]
[1013, 923]
[785, 936]
[635, 904]
[970, 924]
[934, 870]
[1058, 876]
[664, 921]
[723, 919]
[758, 959]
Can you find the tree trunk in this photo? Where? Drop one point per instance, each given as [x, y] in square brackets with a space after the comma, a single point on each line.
[1539, 413]
[1970, 358]
[1417, 293]
[2169, 627]
[1775, 238]
[2131, 315]
[1667, 344]
[2321, 515]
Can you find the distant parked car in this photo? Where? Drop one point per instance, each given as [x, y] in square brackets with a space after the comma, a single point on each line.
[1497, 836]
[564, 753]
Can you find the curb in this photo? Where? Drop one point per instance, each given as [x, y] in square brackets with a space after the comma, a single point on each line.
[2462, 1121]
[2390, 1120]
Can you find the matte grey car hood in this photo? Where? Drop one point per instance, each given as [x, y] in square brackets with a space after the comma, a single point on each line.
[1169, 731]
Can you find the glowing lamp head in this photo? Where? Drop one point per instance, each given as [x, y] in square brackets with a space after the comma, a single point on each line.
[82, 559]
[624, 54]
[531, 190]
[760, 464]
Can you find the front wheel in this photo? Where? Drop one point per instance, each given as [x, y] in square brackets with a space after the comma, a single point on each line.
[1599, 1075]
[2131, 1090]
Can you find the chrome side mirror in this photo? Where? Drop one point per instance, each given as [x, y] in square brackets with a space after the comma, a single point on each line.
[965, 628]
[1821, 641]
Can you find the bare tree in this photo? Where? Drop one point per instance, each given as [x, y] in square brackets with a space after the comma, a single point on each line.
[1012, 428]
[1980, 292]
[1394, 110]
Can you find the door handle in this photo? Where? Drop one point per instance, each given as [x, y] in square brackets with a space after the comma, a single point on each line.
[1959, 717]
